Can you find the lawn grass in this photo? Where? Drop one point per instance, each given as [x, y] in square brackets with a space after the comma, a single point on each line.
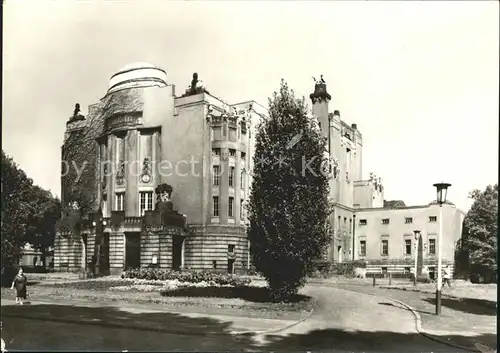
[249, 301]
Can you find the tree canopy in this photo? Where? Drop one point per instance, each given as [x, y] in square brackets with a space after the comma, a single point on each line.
[481, 228]
[288, 206]
[29, 213]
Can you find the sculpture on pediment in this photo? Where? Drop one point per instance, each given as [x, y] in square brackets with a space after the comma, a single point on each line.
[120, 173]
[163, 195]
[225, 155]
[210, 110]
[104, 176]
[320, 94]
[196, 87]
[77, 109]
[77, 115]
[146, 171]
[380, 186]
[74, 206]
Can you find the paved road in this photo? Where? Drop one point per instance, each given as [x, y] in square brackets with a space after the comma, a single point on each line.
[344, 321]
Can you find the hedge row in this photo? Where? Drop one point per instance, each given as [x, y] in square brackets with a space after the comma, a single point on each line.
[222, 279]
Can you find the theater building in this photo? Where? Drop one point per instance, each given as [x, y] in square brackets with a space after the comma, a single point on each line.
[143, 135]
[140, 135]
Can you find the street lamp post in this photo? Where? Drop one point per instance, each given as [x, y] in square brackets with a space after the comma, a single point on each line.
[353, 236]
[442, 189]
[417, 237]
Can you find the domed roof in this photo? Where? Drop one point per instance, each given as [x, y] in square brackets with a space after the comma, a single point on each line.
[136, 75]
[137, 65]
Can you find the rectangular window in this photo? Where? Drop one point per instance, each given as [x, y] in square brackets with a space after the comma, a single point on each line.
[230, 248]
[362, 248]
[362, 222]
[231, 176]
[242, 180]
[231, 207]
[216, 175]
[146, 201]
[214, 264]
[216, 152]
[385, 221]
[432, 219]
[216, 206]
[432, 246]
[243, 155]
[120, 201]
[232, 153]
[407, 246]
[241, 208]
[408, 220]
[385, 247]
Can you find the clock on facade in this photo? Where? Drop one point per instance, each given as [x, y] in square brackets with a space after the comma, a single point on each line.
[145, 178]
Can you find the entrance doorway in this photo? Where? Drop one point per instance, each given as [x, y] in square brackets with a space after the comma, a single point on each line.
[103, 253]
[230, 266]
[132, 250]
[177, 252]
[340, 253]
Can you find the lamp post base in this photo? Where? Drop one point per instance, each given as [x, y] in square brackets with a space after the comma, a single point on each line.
[438, 302]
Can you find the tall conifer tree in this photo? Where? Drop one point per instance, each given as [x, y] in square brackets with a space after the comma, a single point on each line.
[289, 206]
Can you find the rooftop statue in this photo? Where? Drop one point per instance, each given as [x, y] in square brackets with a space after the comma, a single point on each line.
[77, 115]
[196, 87]
[320, 94]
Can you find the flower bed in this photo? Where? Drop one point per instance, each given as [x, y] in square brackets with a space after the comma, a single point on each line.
[187, 277]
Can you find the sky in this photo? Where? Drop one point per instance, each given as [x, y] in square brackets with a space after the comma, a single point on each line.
[420, 79]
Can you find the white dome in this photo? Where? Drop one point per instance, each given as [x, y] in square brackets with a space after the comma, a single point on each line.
[137, 65]
[138, 75]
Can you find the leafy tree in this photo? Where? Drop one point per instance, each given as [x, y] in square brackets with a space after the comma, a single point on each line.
[288, 207]
[42, 221]
[480, 229]
[16, 196]
[29, 213]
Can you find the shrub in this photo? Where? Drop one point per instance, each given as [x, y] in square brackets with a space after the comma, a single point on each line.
[222, 279]
[347, 268]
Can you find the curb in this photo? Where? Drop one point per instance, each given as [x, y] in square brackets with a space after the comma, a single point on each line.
[265, 332]
[444, 295]
[418, 324]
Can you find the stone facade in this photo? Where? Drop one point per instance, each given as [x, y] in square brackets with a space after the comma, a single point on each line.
[139, 136]
[358, 222]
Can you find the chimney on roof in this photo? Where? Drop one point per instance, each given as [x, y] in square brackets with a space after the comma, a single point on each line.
[336, 112]
[354, 126]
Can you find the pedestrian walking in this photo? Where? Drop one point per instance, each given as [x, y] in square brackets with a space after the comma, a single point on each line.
[3, 349]
[447, 276]
[20, 282]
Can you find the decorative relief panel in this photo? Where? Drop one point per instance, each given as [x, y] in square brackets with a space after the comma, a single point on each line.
[123, 121]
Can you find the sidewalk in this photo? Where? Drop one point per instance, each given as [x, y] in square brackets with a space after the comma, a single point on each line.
[484, 294]
[463, 322]
[75, 311]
